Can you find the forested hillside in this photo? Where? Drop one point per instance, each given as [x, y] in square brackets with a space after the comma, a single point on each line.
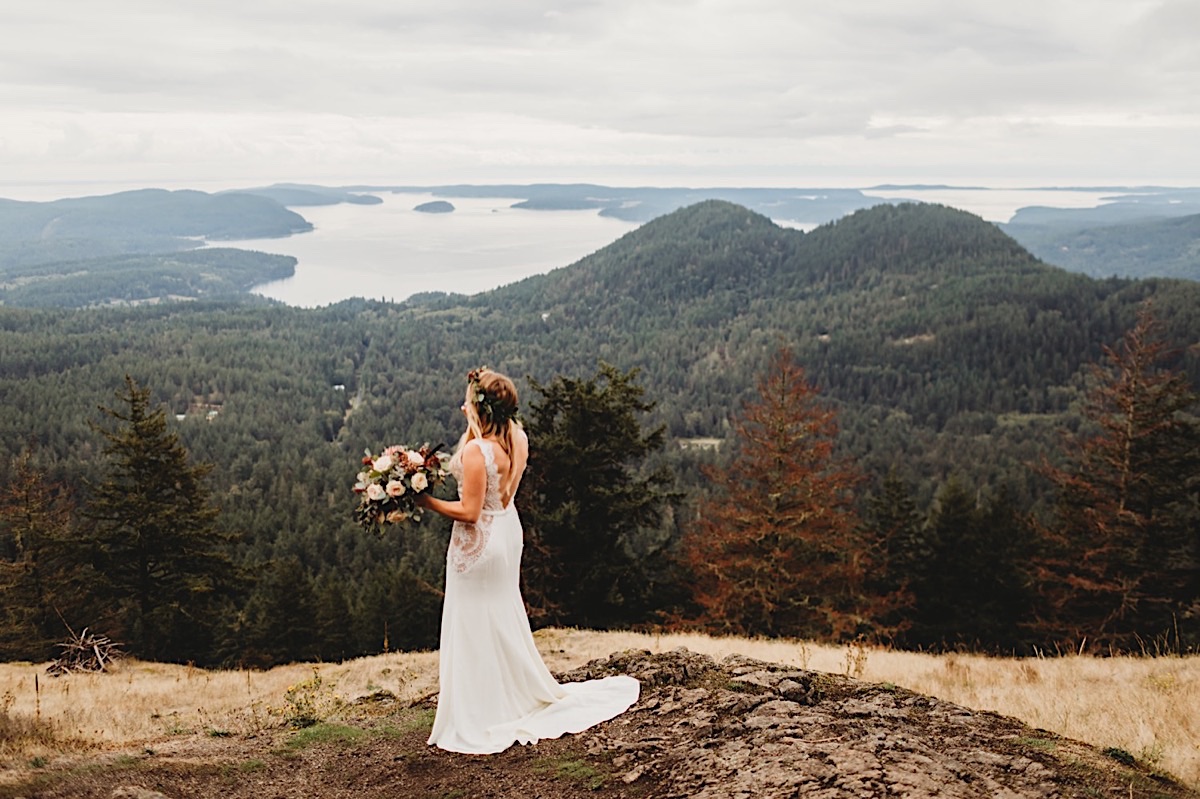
[1155, 233]
[133, 247]
[147, 278]
[948, 345]
[952, 356]
[1166, 247]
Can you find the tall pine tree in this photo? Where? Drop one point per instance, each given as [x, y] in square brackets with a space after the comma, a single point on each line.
[154, 541]
[1121, 560]
[594, 515]
[778, 550]
[973, 591]
[893, 520]
[37, 519]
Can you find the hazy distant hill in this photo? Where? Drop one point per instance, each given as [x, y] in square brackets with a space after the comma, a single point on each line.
[1150, 233]
[641, 204]
[304, 194]
[149, 212]
[129, 246]
[1121, 207]
[1150, 247]
[150, 278]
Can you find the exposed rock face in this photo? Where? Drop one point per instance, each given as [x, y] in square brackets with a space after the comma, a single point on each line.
[745, 728]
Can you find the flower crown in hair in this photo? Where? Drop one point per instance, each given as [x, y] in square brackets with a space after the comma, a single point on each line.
[489, 407]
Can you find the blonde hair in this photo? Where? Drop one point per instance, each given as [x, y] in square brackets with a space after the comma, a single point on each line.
[497, 395]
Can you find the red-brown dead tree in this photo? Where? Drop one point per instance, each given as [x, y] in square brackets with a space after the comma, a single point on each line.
[777, 549]
[1121, 553]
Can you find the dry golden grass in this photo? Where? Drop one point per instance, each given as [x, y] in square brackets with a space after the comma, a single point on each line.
[1148, 707]
[138, 702]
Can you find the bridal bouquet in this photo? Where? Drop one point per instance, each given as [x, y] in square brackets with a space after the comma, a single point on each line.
[390, 482]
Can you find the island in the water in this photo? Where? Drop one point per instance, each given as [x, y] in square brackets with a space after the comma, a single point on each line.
[435, 207]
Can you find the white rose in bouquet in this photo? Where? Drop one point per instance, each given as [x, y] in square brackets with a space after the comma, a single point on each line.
[419, 481]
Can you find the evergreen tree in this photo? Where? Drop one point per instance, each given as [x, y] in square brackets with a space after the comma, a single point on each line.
[1008, 599]
[36, 523]
[594, 518]
[1121, 559]
[397, 611]
[779, 549]
[335, 636]
[278, 622]
[973, 590]
[893, 520]
[154, 541]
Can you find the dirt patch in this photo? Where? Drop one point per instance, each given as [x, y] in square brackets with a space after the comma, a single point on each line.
[738, 728]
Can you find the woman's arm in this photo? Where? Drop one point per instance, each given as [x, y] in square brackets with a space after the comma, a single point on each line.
[474, 486]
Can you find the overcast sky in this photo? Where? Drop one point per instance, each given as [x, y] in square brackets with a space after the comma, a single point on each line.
[624, 92]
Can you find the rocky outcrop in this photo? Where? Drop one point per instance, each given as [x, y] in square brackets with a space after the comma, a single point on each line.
[745, 728]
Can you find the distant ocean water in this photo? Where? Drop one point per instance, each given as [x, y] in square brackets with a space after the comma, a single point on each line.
[390, 251]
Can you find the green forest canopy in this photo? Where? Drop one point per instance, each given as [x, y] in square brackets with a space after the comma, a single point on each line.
[947, 349]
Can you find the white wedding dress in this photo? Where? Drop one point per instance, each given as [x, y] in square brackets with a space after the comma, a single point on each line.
[494, 688]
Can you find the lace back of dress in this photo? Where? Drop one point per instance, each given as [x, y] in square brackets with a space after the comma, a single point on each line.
[468, 541]
[491, 499]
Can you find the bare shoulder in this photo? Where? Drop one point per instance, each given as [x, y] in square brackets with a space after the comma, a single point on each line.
[472, 456]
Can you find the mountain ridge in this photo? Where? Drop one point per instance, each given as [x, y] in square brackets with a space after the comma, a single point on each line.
[906, 314]
[834, 251]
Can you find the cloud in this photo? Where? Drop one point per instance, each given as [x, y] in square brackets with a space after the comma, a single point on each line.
[305, 88]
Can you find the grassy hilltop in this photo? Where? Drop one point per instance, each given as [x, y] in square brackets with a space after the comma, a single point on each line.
[1080, 726]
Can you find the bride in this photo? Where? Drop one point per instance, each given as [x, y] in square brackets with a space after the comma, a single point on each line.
[494, 689]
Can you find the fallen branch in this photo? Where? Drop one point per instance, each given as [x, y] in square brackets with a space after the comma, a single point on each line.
[85, 652]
